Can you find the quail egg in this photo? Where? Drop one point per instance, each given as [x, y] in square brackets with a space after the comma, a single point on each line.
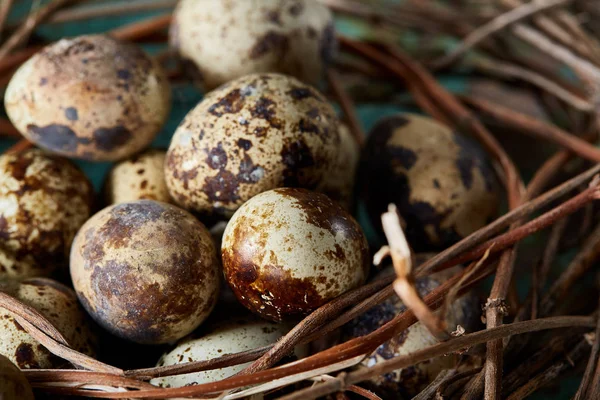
[91, 97]
[13, 384]
[44, 199]
[441, 181]
[238, 335]
[222, 40]
[145, 271]
[408, 382]
[253, 134]
[137, 178]
[59, 305]
[288, 251]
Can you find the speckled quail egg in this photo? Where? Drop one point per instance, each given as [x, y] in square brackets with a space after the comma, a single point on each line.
[90, 97]
[44, 199]
[288, 251]
[137, 178]
[338, 183]
[222, 40]
[13, 384]
[441, 181]
[237, 335]
[253, 134]
[146, 271]
[408, 382]
[59, 305]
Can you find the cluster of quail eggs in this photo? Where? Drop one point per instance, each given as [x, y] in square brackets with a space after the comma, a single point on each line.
[263, 152]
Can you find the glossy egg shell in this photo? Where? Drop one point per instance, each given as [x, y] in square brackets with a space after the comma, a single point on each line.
[234, 336]
[441, 181]
[223, 40]
[44, 200]
[90, 97]
[137, 178]
[145, 271]
[59, 305]
[408, 382]
[256, 133]
[288, 251]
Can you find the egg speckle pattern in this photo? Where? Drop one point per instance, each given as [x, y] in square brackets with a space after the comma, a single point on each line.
[145, 271]
[408, 382]
[288, 251]
[90, 97]
[441, 182]
[44, 199]
[137, 178]
[238, 335]
[253, 134]
[13, 384]
[59, 305]
[222, 40]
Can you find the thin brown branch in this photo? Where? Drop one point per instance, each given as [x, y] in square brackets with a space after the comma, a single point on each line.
[550, 375]
[73, 376]
[556, 51]
[21, 35]
[5, 7]
[8, 129]
[583, 261]
[44, 332]
[18, 147]
[508, 239]
[449, 386]
[108, 10]
[347, 106]
[496, 226]
[142, 29]
[440, 349]
[367, 394]
[536, 128]
[586, 382]
[503, 69]
[341, 352]
[22, 310]
[528, 364]
[430, 391]
[311, 323]
[495, 25]
[11, 61]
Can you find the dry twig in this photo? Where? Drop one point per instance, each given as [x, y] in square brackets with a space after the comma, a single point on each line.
[32, 21]
[497, 24]
[403, 286]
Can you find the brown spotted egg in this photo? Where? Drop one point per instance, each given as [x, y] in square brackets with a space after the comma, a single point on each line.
[235, 336]
[253, 134]
[441, 181]
[223, 40]
[59, 305]
[145, 271]
[44, 199]
[90, 97]
[408, 382]
[288, 251]
[338, 183]
[13, 384]
[139, 177]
